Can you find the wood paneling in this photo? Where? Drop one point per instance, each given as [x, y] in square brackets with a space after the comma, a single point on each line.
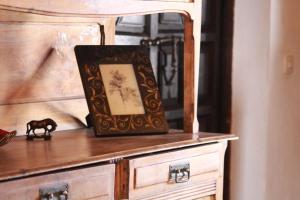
[38, 63]
[39, 75]
[89, 183]
[69, 114]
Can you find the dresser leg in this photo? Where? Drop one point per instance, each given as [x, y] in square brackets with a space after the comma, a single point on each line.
[220, 180]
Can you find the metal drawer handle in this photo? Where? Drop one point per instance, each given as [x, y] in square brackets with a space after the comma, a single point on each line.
[179, 173]
[55, 192]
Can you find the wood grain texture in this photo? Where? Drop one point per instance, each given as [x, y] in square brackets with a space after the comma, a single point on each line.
[189, 79]
[208, 198]
[39, 75]
[38, 62]
[122, 179]
[93, 61]
[69, 114]
[220, 179]
[98, 8]
[203, 191]
[149, 175]
[89, 183]
[10, 15]
[79, 147]
[192, 39]
[102, 8]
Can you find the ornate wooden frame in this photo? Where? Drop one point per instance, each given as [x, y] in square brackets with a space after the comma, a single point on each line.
[89, 57]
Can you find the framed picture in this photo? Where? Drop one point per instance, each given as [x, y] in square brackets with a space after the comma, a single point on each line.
[121, 91]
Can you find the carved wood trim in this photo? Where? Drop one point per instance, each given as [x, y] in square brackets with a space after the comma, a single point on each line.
[99, 8]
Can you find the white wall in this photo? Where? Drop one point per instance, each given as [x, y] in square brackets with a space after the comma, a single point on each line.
[266, 103]
[250, 98]
[283, 143]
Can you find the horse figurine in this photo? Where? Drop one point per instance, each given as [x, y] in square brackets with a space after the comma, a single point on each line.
[48, 125]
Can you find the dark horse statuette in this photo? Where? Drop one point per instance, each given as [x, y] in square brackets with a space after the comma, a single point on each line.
[48, 125]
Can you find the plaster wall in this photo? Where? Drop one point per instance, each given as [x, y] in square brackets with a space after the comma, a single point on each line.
[250, 99]
[283, 143]
[266, 101]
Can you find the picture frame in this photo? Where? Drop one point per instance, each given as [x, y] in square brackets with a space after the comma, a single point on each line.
[121, 90]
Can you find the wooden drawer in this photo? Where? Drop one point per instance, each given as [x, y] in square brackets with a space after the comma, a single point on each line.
[149, 176]
[89, 183]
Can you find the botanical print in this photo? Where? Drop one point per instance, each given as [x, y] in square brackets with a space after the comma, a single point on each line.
[121, 89]
[117, 84]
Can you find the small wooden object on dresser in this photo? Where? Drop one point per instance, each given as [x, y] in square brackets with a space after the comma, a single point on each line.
[49, 125]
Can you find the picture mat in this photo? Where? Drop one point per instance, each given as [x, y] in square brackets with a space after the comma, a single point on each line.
[121, 89]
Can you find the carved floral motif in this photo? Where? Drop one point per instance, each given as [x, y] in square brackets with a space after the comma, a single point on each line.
[153, 121]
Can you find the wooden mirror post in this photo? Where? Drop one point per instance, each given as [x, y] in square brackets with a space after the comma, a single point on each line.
[192, 39]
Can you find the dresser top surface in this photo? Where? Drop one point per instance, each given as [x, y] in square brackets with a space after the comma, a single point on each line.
[80, 147]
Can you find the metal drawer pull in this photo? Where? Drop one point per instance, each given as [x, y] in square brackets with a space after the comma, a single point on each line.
[179, 173]
[55, 192]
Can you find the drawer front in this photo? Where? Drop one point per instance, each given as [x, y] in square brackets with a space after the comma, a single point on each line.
[88, 183]
[190, 192]
[198, 169]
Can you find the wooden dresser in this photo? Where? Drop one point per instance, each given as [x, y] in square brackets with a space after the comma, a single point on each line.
[39, 78]
[114, 168]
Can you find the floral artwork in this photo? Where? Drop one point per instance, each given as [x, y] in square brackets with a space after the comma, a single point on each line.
[121, 88]
[126, 93]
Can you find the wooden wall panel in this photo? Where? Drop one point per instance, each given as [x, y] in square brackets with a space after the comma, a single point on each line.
[37, 60]
[68, 114]
[208, 198]
[39, 74]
